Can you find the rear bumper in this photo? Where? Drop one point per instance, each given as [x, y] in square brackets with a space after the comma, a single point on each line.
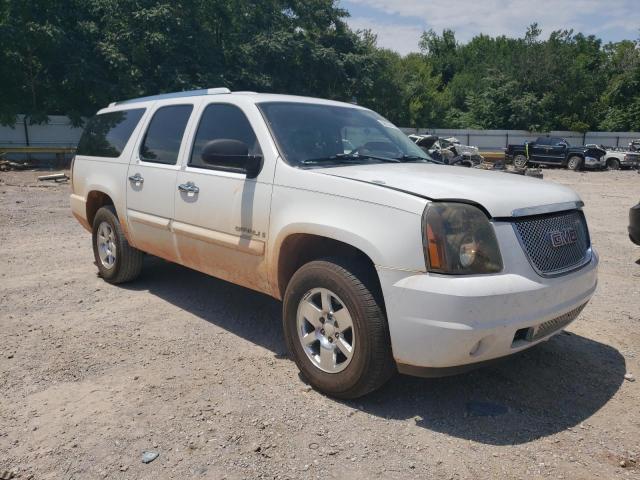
[79, 209]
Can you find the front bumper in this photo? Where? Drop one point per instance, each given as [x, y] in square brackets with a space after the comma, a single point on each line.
[446, 323]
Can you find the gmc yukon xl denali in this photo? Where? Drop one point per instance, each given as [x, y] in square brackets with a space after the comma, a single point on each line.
[383, 260]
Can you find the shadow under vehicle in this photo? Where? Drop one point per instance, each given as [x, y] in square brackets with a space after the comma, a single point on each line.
[548, 389]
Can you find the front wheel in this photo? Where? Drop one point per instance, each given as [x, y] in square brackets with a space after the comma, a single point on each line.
[336, 329]
[574, 163]
[520, 161]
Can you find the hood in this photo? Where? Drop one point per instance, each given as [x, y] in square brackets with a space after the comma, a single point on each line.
[499, 193]
[466, 149]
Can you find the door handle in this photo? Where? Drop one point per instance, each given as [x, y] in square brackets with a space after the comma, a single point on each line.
[137, 179]
[189, 188]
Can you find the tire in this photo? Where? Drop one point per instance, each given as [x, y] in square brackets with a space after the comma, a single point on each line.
[613, 164]
[120, 262]
[520, 161]
[575, 163]
[352, 287]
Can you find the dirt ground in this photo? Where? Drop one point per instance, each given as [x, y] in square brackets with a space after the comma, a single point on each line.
[195, 369]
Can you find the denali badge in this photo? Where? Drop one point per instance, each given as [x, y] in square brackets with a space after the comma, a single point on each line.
[560, 238]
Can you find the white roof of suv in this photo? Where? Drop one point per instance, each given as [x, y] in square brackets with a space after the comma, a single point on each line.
[273, 97]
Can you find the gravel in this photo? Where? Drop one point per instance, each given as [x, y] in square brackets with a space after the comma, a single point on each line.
[92, 375]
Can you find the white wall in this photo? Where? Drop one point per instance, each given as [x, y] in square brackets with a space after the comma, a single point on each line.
[57, 133]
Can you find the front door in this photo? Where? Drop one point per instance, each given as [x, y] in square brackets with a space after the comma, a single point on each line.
[221, 217]
[152, 180]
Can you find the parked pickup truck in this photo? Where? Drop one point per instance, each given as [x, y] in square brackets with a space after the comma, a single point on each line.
[383, 261]
[617, 158]
[555, 151]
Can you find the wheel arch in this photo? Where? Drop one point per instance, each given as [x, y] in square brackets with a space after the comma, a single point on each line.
[298, 248]
[97, 199]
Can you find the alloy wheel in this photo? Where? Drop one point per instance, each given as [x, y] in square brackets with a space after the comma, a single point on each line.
[325, 330]
[106, 242]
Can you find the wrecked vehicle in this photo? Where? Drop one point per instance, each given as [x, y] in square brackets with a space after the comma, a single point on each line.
[448, 151]
[617, 158]
[554, 151]
[383, 260]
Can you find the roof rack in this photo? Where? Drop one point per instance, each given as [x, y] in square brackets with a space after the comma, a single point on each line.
[163, 96]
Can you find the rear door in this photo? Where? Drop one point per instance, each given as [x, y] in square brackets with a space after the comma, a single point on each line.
[539, 150]
[557, 150]
[221, 219]
[152, 177]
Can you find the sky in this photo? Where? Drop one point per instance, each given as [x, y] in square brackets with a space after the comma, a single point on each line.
[399, 23]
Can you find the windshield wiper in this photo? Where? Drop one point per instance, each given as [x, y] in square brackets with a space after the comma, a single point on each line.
[414, 158]
[346, 158]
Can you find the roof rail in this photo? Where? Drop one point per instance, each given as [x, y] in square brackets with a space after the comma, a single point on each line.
[163, 96]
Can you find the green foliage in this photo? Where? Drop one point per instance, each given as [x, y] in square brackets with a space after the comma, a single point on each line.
[73, 57]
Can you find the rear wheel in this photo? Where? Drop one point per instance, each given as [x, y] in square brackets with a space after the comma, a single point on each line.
[613, 164]
[520, 161]
[574, 163]
[336, 329]
[117, 261]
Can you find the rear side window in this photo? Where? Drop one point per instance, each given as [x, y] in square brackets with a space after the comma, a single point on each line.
[107, 134]
[162, 141]
[222, 121]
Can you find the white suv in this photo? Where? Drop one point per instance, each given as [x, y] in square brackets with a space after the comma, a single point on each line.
[384, 261]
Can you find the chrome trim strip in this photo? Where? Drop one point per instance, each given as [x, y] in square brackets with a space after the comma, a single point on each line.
[244, 244]
[542, 209]
[147, 219]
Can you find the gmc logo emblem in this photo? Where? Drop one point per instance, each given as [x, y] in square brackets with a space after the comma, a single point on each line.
[560, 238]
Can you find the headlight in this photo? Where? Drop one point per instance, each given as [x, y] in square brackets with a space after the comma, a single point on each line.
[459, 240]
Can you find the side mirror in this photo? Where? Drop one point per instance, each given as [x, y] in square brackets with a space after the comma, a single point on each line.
[232, 155]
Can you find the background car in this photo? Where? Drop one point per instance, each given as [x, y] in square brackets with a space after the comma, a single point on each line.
[448, 150]
[548, 150]
[634, 224]
[616, 158]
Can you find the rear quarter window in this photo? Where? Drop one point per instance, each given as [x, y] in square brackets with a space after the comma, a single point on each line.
[107, 134]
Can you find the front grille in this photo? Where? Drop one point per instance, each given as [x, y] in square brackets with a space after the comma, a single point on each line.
[555, 243]
[532, 334]
[550, 326]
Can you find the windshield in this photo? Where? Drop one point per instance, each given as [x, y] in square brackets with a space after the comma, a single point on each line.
[323, 135]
